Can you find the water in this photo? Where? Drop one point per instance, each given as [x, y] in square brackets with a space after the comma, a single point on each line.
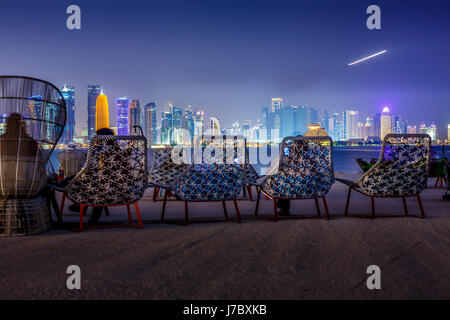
[344, 157]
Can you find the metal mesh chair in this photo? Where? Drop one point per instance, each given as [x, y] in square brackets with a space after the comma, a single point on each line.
[32, 120]
[217, 174]
[305, 172]
[401, 171]
[115, 174]
[71, 161]
[164, 170]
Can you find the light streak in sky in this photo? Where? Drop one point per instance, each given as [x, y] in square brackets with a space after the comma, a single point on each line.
[366, 58]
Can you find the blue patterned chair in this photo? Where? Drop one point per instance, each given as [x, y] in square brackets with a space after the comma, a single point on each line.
[251, 178]
[115, 174]
[401, 171]
[305, 172]
[213, 175]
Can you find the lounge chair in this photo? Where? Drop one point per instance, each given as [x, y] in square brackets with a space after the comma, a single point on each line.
[401, 171]
[214, 175]
[115, 174]
[71, 161]
[305, 172]
[32, 120]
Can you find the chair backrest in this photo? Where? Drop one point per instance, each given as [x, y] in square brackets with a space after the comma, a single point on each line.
[301, 155]
[164, 169]
[71, 161]
[217, 171]
[32, 120]
[402, 169]
[115, 172]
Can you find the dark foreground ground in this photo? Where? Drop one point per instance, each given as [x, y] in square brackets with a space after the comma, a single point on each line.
[290, 259]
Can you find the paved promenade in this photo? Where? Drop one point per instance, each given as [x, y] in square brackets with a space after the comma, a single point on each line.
[290, 259]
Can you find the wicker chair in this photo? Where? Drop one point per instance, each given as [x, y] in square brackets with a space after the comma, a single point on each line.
[251, 178]
[71, 161]
[32, 120]
[305, 172]
[164, 170]
[401, 171]
[214, 175]
[115, 174]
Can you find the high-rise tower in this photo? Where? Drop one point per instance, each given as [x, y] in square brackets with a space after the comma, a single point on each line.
[93, 92]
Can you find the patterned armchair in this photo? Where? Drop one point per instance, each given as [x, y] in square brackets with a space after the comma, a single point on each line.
[305, 172]
[251, 177]
[401, 171]
[216, 174]
[115, 174]
[164, 170]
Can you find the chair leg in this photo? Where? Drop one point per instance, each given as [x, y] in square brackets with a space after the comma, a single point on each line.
[61, 208]
[372, 202]
[274, 209]
[442, 182]
[347, 203]
[436, 182]
[107, 211]
[81, 216]
[164, 206]
[249, 188]
[186, 214]
[155, 193]
[258, 191]
[225, 209]
[238, 214]
[404, 206]
[130, 220]
[421, 206]
[317, 206]
[326, 207]
[138, 214]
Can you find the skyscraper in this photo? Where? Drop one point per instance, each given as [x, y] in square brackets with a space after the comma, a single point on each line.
[275, 116]
[287, 121]
[150, 123]
[68, 94]
[313, 116]
[123, 110]
[199, 122]
[166, 128]
[300, 120]
[214, 126]
[350, 118]
[93, 92]
[265, 118]
[386, 123]
[34, 110]
[135, 115]
[188, 121]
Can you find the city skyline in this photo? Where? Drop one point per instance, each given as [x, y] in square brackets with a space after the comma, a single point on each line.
[229, 57]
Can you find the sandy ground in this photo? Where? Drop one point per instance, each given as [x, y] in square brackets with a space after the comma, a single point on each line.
[306, 258]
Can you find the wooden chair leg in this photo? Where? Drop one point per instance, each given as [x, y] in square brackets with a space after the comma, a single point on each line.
[238, 214]
[225, 209]
[61, 208]
[155, 193]
[347, 203]
[81, 217]
[372, 202]
[404, 206]
[164, 206]
[258, 191]
[138, 214]
[317, 206]
[274, 209]
[186, 214]
[249, 189]
[421, 206]
[107, 211]
[326, 207]
[130, 219]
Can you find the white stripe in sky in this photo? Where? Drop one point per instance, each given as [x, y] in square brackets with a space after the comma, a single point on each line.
[366, 58]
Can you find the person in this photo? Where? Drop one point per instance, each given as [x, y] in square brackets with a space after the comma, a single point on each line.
[97, 211]
[16, 141]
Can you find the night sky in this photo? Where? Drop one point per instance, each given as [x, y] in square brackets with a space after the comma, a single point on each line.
[229, 57]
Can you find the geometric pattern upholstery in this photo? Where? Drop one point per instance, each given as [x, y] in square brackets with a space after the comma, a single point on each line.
[164, 170]
[305, 169]
[115, 172]
[217, 172]
[402, 169]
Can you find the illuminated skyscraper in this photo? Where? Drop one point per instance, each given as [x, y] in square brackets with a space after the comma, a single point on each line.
[350, 119]
[287, 121]
[386, 123]
[199, 122]
[300, 120]
[188, 121]
[34, 110]
[431, 130]
[214, 126]
[166, 128]
[313, 116]
[277, 104]
[150, 123]
[123, 111]
[93, 92]
[69, 131]
[134, 118]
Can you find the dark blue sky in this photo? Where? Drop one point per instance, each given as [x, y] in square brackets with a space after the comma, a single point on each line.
[230, 57]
